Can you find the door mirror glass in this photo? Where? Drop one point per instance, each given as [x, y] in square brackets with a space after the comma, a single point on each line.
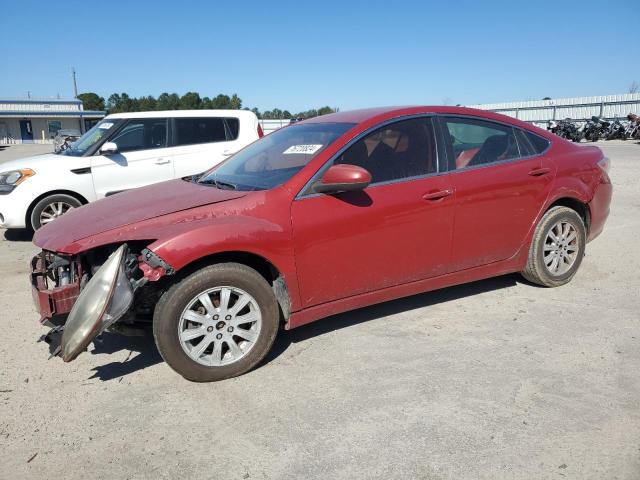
[109, 148]
[343, 178]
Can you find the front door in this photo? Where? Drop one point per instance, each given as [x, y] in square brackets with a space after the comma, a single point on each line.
[500, 184]
[397, 230]
[143, 158]
[26, 131]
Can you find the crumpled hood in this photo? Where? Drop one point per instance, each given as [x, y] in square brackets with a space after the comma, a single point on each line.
[127, 208]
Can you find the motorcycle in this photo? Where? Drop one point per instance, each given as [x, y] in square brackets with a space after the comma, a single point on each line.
[616, 130]
[595, 128]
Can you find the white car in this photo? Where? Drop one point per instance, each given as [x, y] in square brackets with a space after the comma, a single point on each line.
[122, 152]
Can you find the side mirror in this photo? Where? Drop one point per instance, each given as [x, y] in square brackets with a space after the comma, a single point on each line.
[343, 178]
[109, 148]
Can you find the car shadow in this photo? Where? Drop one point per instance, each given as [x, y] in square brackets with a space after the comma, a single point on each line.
[148, 355]
[109, 343]
[18, 235]
[348, 319]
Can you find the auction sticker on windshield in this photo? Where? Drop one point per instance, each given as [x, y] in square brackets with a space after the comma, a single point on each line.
[306, 149]
[105, 126]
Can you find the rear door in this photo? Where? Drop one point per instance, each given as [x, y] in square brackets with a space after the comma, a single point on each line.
[501, 181]
[199, 143]
[143, 157]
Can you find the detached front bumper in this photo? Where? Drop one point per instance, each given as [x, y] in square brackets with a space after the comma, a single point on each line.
[51, 300]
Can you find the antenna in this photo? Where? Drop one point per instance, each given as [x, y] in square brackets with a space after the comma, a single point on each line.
[75, 86]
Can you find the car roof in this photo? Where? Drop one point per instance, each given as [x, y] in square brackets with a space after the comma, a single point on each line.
[373, 115]
[184, 113]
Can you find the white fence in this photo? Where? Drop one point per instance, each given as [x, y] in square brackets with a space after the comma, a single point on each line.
[539, 112]
[269, 126]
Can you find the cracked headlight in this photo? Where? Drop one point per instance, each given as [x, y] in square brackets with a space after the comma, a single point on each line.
[10, 180]
[102, 302]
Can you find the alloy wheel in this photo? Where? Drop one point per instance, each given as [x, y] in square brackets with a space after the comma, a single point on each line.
[560, 248]
[53, 211]
[219, 326]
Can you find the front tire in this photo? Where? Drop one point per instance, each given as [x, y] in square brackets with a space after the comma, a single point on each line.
[217, 323]
[51, 207]
[557, 248]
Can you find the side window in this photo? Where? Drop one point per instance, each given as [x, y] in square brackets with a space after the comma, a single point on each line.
[144, 134]
[233, 128]
[476, 142]
[191, 131]
[400, 150]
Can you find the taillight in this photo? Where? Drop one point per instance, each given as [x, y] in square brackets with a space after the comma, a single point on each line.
[260, 132]
[605, 164]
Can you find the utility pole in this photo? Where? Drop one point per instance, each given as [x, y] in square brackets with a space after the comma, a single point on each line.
[75, 86]
[75, 95]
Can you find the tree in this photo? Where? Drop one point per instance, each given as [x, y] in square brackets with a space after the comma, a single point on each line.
[147, 104]
[221, 102]
[168, 101]
[236, 102]
[190, 101]
[91, 101]
[634, 87]
[325, 110]
[547, 98]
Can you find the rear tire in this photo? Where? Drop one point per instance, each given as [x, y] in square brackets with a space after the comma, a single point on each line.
[52, 207]
[557, 248]
[225, 355]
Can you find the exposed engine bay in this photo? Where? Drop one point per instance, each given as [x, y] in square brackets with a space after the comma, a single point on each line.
[113, 287]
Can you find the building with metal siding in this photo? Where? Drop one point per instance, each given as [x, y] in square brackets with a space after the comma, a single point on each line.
[540, 112]
[37, 121]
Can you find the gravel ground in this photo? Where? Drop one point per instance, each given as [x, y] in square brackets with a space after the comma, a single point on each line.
[495, 379]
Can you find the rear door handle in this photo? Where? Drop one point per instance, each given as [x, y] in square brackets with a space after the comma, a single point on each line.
[227, 153]
[437, 195]
[538, 172]
[162, 161]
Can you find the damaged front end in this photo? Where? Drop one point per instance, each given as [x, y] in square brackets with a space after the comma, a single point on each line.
[95, 293]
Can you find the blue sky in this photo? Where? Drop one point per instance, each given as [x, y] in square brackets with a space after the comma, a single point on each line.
[298, 55]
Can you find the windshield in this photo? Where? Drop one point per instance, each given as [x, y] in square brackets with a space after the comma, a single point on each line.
[276, 158]
[87, 141]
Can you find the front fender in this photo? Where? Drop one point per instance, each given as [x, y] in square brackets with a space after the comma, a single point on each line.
[252, 235]
[257, 236]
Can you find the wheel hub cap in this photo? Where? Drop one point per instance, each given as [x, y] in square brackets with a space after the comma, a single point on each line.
[560, 248]
[210, 341]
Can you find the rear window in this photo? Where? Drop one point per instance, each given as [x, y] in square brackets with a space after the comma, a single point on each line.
[530, 143]
[233, 125]
[191, 131]
[539, 144]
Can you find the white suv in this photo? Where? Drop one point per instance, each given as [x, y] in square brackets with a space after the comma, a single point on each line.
[123, 151]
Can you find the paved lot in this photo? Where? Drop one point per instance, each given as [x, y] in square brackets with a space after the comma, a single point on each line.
[10, 152]
[496, 379]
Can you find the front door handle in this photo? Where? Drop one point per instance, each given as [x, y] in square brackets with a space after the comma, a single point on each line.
[162, 161]
[437, 195]
[538, 172]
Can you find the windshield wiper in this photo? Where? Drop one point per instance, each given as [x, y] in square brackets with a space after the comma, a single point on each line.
[224, 185]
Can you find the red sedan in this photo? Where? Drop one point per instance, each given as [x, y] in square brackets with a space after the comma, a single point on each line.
[320, 217]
